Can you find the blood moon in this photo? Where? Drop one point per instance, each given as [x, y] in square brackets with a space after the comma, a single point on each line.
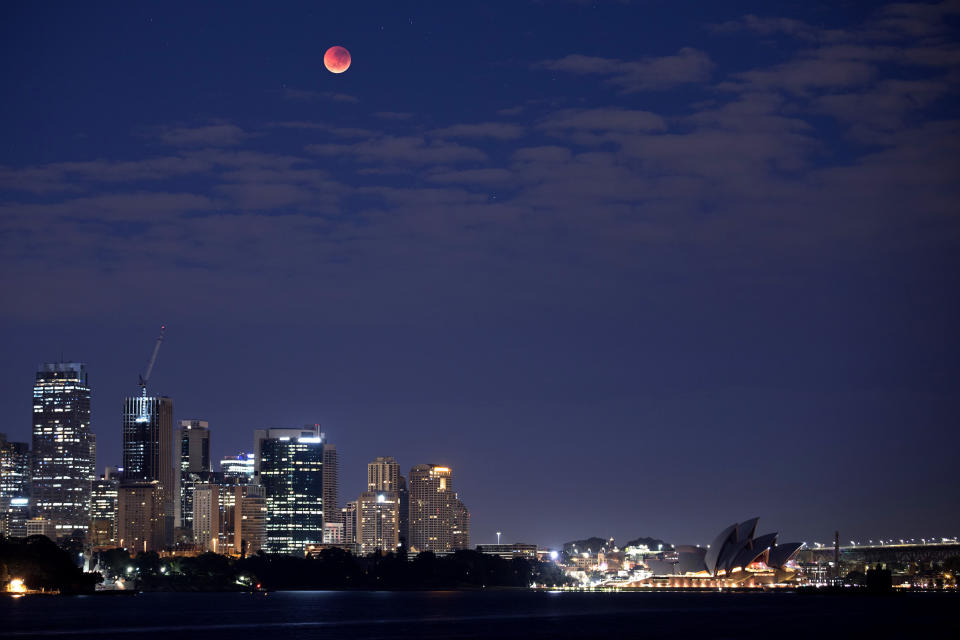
[336, 59]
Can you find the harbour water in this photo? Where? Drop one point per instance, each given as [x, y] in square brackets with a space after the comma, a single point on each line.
[477, 614]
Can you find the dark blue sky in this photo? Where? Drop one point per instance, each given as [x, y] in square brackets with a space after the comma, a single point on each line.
[630, 268]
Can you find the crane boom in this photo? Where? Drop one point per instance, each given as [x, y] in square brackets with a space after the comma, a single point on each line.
[153, 359]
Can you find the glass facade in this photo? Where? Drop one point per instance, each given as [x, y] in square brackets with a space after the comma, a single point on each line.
[148, 453]
[61, 446]
[291, 473]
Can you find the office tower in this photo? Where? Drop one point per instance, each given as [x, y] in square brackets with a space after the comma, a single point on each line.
[60, 488]
[193, 446]
[349, 516]
[206, 516]
[141, 516]
[290, 469]
[148, 453]
[460, 536]
[432, 506]
[40, 526]
[333, 533]
[249, 519]
[93, 457]
[383, 474]
[192, 451]
[377, 521]
[237, 469]
[331, 485]
[403, 512]
[103, 510]
[14, 486]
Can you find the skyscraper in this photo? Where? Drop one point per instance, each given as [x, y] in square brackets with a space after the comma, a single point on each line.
[61, 446]
[439, 521]
[141, 518]
[193, 446]
[403, 513]
[460, 535]
[349, 516]
[377, 521]
[290, 469]
[192, 443]
[383, 474]
[238, 469]
[331, 484]
[104, 498]
[14, 482]
[148, 453]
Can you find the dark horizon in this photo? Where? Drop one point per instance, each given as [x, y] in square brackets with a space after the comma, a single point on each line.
[627, 270]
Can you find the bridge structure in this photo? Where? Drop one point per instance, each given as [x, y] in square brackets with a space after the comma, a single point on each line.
[893, 553]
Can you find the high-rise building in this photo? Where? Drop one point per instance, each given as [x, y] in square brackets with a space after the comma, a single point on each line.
[434, 514]
[141, 516]
[331, 484]
[192, 451]
[103, 510]
[148, 453]
[93, 457]
[349, 517]
[193, 446]
[207, 516]
[238, 469]
[249, 519]
[14, 471]
[290, 469]
[403, 512]
[377, 521]
[460, 536]
[383, 474]
[60, 487]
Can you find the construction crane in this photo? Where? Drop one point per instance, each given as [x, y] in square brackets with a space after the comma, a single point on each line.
[153, 359]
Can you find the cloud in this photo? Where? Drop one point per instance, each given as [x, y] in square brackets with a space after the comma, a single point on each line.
[648, 74]
[215, 135]
[392, 115]
[403, 150]
[496, 130]
[307, 95]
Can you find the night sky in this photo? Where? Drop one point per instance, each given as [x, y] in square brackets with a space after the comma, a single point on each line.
[629, 268]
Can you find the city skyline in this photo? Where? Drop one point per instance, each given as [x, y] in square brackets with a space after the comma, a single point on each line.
[673, 266]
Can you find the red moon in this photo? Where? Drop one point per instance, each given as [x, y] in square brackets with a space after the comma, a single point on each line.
[336, 59]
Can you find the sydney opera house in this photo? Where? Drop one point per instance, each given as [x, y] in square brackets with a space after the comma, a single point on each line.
[738, 557]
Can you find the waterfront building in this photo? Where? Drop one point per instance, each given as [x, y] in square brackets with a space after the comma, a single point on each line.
[289, 465]
[14, 518]
[14, 477]
[141, 516]
[403, 512]
[148, 455]
[510, 551]
[60, 479]
[250, 520]
[349, 517]
[206, 516]
[377, 521]
[238, 469]
[104, 499]
[460, 535]
[435, 511]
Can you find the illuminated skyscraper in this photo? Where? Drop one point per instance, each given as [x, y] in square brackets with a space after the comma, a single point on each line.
[148, 452]
[331, 484]
[238, 469]
[377, 521]
[14, 483]
[193, 446]
[460, 535]
[61, 446]
[290, 469]
[349, 517]
[141, 519]
[192, 443]
[104, 498]
[432, 504]
[383, 474]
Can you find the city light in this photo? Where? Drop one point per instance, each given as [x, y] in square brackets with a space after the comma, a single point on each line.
[17, 586]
